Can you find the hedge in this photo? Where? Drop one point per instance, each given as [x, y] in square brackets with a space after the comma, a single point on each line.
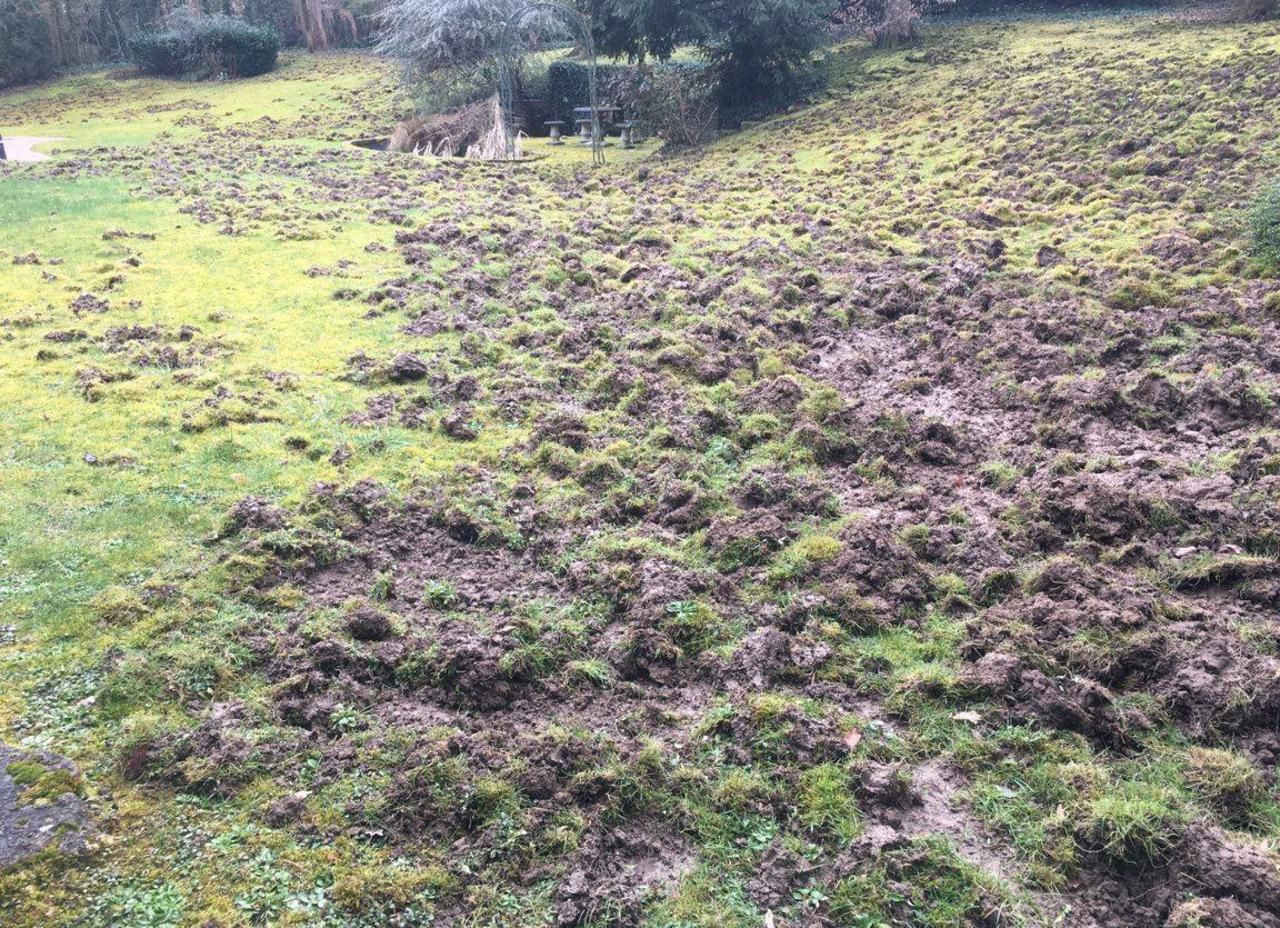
[569, 83]
[1264, 222]
[210, 47]
[569, 86]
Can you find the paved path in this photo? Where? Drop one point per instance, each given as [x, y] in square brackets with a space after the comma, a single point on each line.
[19, 147]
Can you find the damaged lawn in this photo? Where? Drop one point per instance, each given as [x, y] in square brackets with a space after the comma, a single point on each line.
[870, 519]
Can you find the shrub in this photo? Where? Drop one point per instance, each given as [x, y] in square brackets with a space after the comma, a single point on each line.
[890, 23]
[680, 106]
[760, 50]
[569, 87]
[1264, 222]
[897, 27]
[206, 47]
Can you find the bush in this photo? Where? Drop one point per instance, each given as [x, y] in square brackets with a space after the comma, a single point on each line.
[569, 86]
[206, 47]
[1264, 221]
[676, 102]
[26, 47]
[761, 49]
[898, 25]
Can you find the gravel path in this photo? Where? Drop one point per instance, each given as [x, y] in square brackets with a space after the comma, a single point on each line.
[19, 147]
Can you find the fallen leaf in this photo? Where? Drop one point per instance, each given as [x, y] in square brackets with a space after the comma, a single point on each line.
[852, 738]
[972, 718]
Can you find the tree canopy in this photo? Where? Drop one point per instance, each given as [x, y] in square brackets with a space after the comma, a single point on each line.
[756, 45]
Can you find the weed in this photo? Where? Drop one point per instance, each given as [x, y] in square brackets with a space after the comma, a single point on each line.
[383, 587]
[1000, 475]
[1264, 223]
[441, 594]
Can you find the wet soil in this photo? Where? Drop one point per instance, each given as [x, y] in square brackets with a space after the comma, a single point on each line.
[839, 466]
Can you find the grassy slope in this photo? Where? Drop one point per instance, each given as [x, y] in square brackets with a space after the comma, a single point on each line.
[919, 139]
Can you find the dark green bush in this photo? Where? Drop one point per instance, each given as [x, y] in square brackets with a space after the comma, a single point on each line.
[26, 48]
[1264, 221]
[569, 86]
[160, 53]
[207, 47]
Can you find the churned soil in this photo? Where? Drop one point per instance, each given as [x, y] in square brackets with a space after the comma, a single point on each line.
[875, 514]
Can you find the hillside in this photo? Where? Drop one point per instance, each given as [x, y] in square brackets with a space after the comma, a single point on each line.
[871, 519]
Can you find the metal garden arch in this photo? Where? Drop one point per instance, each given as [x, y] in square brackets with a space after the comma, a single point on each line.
[581, 24]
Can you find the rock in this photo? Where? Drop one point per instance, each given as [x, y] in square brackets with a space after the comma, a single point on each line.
[39, 807]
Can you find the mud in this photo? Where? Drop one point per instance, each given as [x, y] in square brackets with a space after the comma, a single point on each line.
[840, 464]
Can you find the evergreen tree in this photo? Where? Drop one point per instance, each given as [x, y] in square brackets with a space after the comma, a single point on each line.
[26, 45]
[758, 46]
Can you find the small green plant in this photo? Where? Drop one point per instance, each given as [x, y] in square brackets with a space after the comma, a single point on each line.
[1264, 224]
[151, 907]
[915, 537]
[383, 587]
[346, 719]
[809, 897]
[693, 625]
[999, 475]
[594, 672]
[441, 594]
